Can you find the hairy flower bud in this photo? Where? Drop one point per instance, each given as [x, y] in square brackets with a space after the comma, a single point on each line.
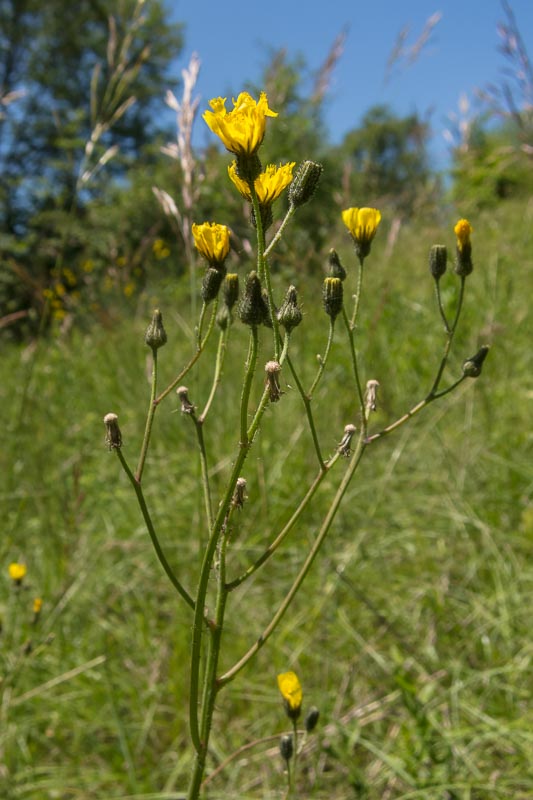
[336, 270]
[113, 436]
[332, 295]
[472, 366]
[311, 719]
[286, 747]
[438, 256]
[252, 309]
[304, 183]
[230, 289]
[155, 336]
[211, 284]
[290, 314]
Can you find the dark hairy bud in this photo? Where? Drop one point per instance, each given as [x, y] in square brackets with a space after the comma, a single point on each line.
[472, 366]
[304, 183]
[155, 335]
[438, 256]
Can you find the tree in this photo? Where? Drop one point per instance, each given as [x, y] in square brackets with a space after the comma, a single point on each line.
[386, 161]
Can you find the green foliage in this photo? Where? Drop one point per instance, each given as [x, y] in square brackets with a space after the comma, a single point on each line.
[492, 165]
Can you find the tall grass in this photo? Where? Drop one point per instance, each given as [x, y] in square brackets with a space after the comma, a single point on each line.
[412, 635]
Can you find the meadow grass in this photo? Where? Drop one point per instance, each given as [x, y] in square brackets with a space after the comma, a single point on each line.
[412, 633]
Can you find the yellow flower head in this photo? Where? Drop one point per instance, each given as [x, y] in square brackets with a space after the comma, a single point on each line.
[291, 691]
[362, 224]
[241, 130]
[462, 230]
[268, 185]
[37, 605]
[17, 572]
[212, 241]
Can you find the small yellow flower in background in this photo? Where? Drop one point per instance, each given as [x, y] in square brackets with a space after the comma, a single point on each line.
[37, 605]
[362, 224]
[17, 572]
[462, 230]
[160, 250]
[88, 265]
[268, 185]
[241, 130]
[212, 241]
[291, 691]
[129, 288]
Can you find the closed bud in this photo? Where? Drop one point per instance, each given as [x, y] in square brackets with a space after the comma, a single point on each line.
[336, 270]
[286, 747]
[155, 335]
[113, 436]
[230, 289]
[252, 304]
[472, 366]
[290, 314]
[311, 719]
[224, 318]
[304, 183]
[211, 283]
[332, 296]
[438, 256]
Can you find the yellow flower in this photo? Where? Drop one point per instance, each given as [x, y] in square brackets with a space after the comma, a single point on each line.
[160, 250]
[37, 605]
[17, 571]
[462, 230]
[291, 691]
[362, 223]
[241, 130]
[212, 241]
[268, 185]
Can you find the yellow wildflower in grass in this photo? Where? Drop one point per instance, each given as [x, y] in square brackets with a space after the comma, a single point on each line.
[17, 571]
[160, 250]
[462, 230]
[291, 691]
[212, 241]
[37, 605]
[241, 130]
[362, 224]
[268, 185]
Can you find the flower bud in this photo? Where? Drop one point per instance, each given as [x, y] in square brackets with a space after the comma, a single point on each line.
[113, 436]
[472, 366]
[344, 446]
[336, 270]
[223, 318]
[290, 314]
[230, 289]
[252, 309]
[463, 261]
[438, 256]
[332, 295]
[311, 719]
[211, 284]
[304, 183]
[186, 405]
[272, 370]
[155, 336]
[286, 747]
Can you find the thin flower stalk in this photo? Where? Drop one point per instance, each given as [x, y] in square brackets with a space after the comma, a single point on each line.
[219, 364]
[149, 419]
[350, 333]
[307, 405]
[151, 530]
[323, 360]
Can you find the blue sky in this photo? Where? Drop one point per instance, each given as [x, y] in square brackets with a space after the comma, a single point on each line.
[234, 38]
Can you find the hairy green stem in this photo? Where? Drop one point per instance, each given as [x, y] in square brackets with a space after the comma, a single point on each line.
[151, 530]
[307, 405]
[149, 419]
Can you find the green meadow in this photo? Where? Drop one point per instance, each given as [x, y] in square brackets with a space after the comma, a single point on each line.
[412, 633]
